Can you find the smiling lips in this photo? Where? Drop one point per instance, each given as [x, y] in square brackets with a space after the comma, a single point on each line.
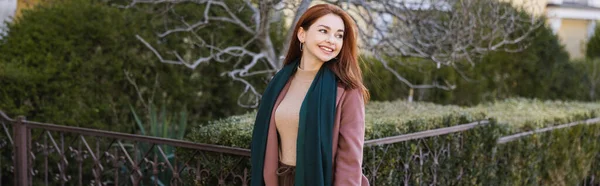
[326, 50]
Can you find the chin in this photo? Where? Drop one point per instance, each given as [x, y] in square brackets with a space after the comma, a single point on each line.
[325, 59]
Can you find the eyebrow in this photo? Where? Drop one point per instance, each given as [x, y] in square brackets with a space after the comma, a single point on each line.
[339, 30]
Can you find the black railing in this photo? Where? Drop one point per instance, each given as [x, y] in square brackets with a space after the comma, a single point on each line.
[48, 154]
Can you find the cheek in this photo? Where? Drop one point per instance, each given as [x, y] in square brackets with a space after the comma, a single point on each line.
[319, 38]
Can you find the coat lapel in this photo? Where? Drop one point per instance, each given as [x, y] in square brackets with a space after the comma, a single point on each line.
[272, 151]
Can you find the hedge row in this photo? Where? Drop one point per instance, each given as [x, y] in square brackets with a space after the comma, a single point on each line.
[384, 119]
[565, 156]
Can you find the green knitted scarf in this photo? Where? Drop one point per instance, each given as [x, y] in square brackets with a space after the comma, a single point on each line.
[314, 143]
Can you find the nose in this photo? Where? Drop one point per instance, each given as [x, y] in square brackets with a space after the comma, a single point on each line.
[331, 38]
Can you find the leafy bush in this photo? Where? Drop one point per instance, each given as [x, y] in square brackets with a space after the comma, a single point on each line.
[385, 119]
[561, 157]
[590, 69]
[541, 71]
[472, 157]
[162, 124]
[593, 46]
[68, 62]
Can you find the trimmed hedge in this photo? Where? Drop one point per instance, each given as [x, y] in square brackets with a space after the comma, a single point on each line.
[565, 156]
[520, 115]
[384, 119]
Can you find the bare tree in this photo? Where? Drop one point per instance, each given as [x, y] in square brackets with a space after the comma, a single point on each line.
[264, 13]
[446, 32]
[452, 33]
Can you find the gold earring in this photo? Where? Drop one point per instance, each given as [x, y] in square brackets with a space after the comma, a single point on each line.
[300, 46]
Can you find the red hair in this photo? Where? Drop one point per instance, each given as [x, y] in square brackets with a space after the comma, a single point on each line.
[346, 67]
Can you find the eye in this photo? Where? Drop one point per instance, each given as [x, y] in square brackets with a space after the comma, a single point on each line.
[323, 31]
[340, 36]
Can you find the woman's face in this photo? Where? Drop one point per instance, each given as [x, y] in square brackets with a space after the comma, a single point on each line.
[324, 38]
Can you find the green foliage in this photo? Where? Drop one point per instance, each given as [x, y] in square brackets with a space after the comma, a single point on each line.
[593, 46]
[385, 118]
[521, 115]
[162, 18]
[541, 71]
[590, 69]
[565, 156]
[68, 63]
[163, 125]
[560, 157]
[384, 86]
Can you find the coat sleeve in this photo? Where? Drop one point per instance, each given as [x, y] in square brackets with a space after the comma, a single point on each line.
[348, 162]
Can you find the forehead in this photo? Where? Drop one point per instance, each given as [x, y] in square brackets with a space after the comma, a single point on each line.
[333, 21]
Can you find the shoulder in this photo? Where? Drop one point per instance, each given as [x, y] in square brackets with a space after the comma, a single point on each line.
[350, 96]
[351, 93]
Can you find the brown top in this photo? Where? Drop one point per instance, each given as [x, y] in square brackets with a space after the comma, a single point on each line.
[288, 112]
[348, 140]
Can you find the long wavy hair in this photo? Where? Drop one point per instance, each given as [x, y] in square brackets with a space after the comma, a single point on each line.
[346, 66]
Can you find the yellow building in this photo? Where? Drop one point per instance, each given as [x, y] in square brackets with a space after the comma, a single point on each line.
[13, 8]
[573, 21]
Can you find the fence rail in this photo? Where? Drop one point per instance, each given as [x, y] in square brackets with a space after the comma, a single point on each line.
[44, 153]
[49, 154]
[425, 134]
[514, 137]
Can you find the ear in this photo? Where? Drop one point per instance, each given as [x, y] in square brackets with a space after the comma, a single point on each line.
[301, 35]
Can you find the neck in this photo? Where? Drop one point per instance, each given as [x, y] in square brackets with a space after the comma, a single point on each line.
[310, 63]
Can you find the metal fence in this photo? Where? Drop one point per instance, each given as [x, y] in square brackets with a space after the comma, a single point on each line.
[33, 153]
[431, 157]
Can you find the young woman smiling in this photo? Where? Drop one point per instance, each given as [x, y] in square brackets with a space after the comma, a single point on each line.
[310, 126]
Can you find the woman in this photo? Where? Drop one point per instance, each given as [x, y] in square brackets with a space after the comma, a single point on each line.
[310, 125]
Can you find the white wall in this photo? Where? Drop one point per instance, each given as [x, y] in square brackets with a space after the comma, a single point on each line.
[592, 28]
[595, 3]
[7, 11]
[573, 13]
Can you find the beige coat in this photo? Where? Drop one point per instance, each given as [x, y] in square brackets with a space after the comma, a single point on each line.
[348, 140]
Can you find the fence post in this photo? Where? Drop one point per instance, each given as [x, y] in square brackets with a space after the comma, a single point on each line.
[21, 135]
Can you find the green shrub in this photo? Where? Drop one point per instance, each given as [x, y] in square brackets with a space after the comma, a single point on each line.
[466, 158]
[561, 157]
[541, 71]
[67, 63]
[593, 46]
[590, 70]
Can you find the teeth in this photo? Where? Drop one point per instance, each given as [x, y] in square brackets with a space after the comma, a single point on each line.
[327, 49]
